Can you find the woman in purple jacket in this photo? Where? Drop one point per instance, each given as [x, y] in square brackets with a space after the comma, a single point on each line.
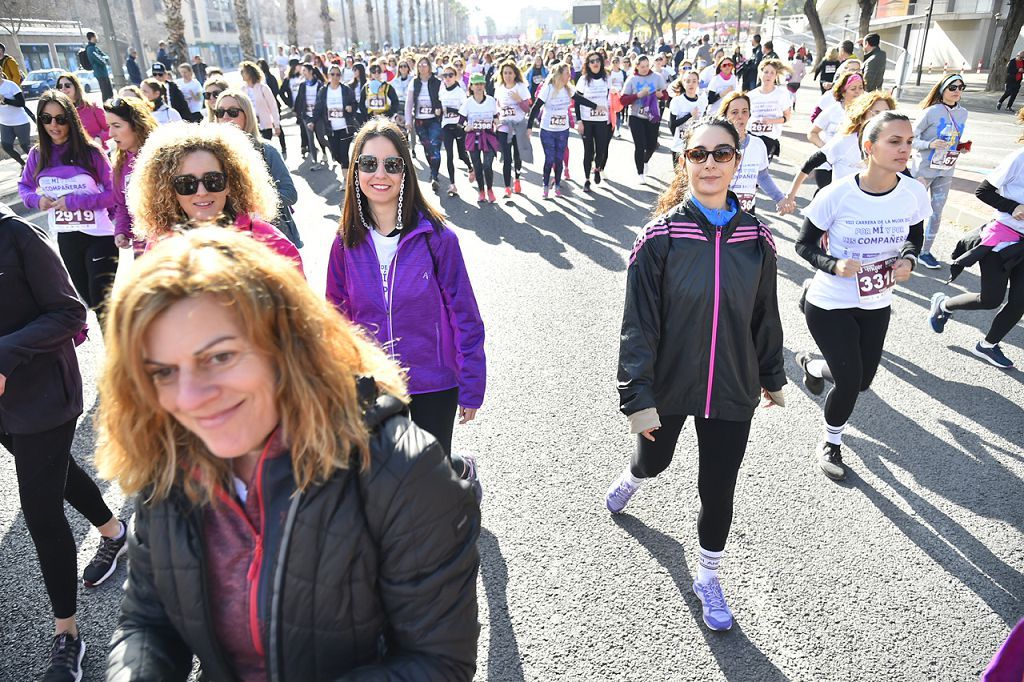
[68, 176]
[397, 270]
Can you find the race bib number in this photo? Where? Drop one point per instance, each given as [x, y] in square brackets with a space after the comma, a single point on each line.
[747, 201]
[376, 103]
[68, 221]
[425, 111]
[336, 113]
[944, 159]
[559, 121]
[508, 112]
[760, 127]
[537, 80]
[644, 112]
[450, 119]
[481, 124]
[874, 280]
[599, 112]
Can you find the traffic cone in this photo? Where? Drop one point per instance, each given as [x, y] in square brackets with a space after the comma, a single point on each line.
[979, 67]
[945, 67]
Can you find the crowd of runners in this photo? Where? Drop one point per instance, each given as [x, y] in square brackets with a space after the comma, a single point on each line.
[217, 349]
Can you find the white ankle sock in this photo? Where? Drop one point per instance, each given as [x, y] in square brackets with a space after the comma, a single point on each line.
[814, 368]
[707, 565]
[834, 434]
[985, 344]
[124, 529]
[633, 480]
[942, 306]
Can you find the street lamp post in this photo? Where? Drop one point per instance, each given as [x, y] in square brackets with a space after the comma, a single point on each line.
[924, 40]
[739, 16]
[846, 20]
[775, 14]
[714, 31]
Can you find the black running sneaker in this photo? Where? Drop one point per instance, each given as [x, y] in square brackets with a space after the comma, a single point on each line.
[104, 563]
[830, 459]
[597, 176]
[66, 654]
[814, 384]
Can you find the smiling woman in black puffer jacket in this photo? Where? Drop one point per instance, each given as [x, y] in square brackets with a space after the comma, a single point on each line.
[292, 523]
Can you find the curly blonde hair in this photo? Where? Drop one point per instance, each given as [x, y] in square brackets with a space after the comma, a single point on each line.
[857, 110]
[151, 196]
[317, 355]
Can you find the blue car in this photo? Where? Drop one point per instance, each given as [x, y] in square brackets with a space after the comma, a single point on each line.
[39, 81]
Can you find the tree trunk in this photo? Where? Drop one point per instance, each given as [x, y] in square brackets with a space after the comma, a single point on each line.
[325, 17]
[244, 26]
[816, 30]
[387, 22]
[412, 27]
[418, 22]
[867, 9]
[292, 19]
[373, 28]
[400, 34]
[175, 24]
[353, 30]
[1014, 23]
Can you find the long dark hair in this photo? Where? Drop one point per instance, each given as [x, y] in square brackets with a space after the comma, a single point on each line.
[934, 95]
[68, 76]
[359, 79]
[587, 73]
[414, 204]
[677, 190]
[80, 151]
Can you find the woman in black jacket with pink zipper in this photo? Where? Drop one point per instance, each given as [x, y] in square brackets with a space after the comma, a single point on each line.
[701, 338]
[40, 401]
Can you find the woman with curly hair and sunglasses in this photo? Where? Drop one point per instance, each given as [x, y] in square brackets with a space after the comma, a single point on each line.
[397, 270]
[68, 176]
[189, 175]
[130, 122]
[93, 120]
[291, 522]
[702, 274]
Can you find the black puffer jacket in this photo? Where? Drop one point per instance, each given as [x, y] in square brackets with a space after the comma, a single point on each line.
[368, 577]
[701, 332]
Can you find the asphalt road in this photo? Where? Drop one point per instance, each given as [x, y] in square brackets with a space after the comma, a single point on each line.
[913, 569]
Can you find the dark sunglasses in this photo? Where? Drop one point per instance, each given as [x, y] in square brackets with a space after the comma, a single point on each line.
[954, 87]
[393, 165]
[593, 61]
[719, 154]
[187, 185]
[727, 65]
[212, 95]
[230, 112]
[59, 119]
[66, 85]
[449, 75]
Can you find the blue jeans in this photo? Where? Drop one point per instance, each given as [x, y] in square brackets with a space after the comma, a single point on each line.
[554, 144]
[938, 188]
[428, 130]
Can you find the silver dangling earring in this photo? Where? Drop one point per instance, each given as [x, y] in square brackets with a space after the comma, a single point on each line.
[399, 222]
[359, 203]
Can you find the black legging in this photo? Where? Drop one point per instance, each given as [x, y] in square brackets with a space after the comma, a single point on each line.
[268, 134]
[1010, 91]
[596, 137]
[92, 263]
[483, 166]
[993, 288]
[435, 413]
[720, 447]
[452, 135]
[340, 143]
[851, 339]
[509, 154]
[822, 178]
[645, 143]
[47, 476]
[314, 136]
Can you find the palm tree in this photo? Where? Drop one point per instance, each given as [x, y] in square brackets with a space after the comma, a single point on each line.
[417, 22]
[325, 16]
[401, 25]
[373, 28]
[244, 26]
[175, 25]
[353, 32]
[292, 19]
[386, 35]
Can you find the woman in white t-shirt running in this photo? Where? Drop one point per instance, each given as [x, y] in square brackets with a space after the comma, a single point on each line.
[725, 81]
[14, 120]
[999, 252]
[513, 98]
[845, 90]
[480, 112]
[771, 107]
[555, 97]
[874, 221]
[752, 172]
[593, 123]
[688, 104]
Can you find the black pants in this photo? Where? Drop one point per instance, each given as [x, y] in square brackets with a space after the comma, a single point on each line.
[822, 178]
[993, 288]
[106, 89]
[454, 139]
[1010, 91]
[645, 141]
[596, 137]
[314, 136]
[771, 144]
[24, 135]
[483, 166]
[268, 134]
[48, 475]
[509, 157]
[92, 263]
[851, 339]
[720, 446]
[435, 413]
[340, 142]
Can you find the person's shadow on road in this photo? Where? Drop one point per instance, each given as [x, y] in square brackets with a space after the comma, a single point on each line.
[503, 660]
[738, 658]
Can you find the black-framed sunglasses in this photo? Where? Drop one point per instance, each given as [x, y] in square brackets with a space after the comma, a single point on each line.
[59, 119]
[212, 95]
[230, 112]
[595, 60]
[719, 154]
[954, 87]
[187, 185]
[66, 85]
[449, 75]
[393, 165]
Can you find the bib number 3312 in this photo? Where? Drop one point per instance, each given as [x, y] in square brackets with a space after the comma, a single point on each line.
[875, 279]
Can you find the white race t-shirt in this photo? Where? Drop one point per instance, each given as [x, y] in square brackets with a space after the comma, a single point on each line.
[451, 99]
[336, 108]
[193, 93]
[723, 86]
[479, 115]
[765, 106]
[282, 62]
[867, 228]
[95, 222]
[616, 79]
[596, 90]
[556, 108]
[509, 109]
[753, 161]
[424, 108]
[680, 106]
[311, 91]
[386, 248]
[843, 153]
[1008, 178]
[11, 115]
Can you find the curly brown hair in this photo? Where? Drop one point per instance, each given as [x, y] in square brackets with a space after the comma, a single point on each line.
[151, 195]
[138, 114]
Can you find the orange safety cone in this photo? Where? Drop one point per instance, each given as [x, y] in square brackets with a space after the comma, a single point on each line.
[945, 67]
[979, 67]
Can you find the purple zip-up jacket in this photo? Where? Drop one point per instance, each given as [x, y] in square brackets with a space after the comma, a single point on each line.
[28, 185]
[434, 329]
[122, 217]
